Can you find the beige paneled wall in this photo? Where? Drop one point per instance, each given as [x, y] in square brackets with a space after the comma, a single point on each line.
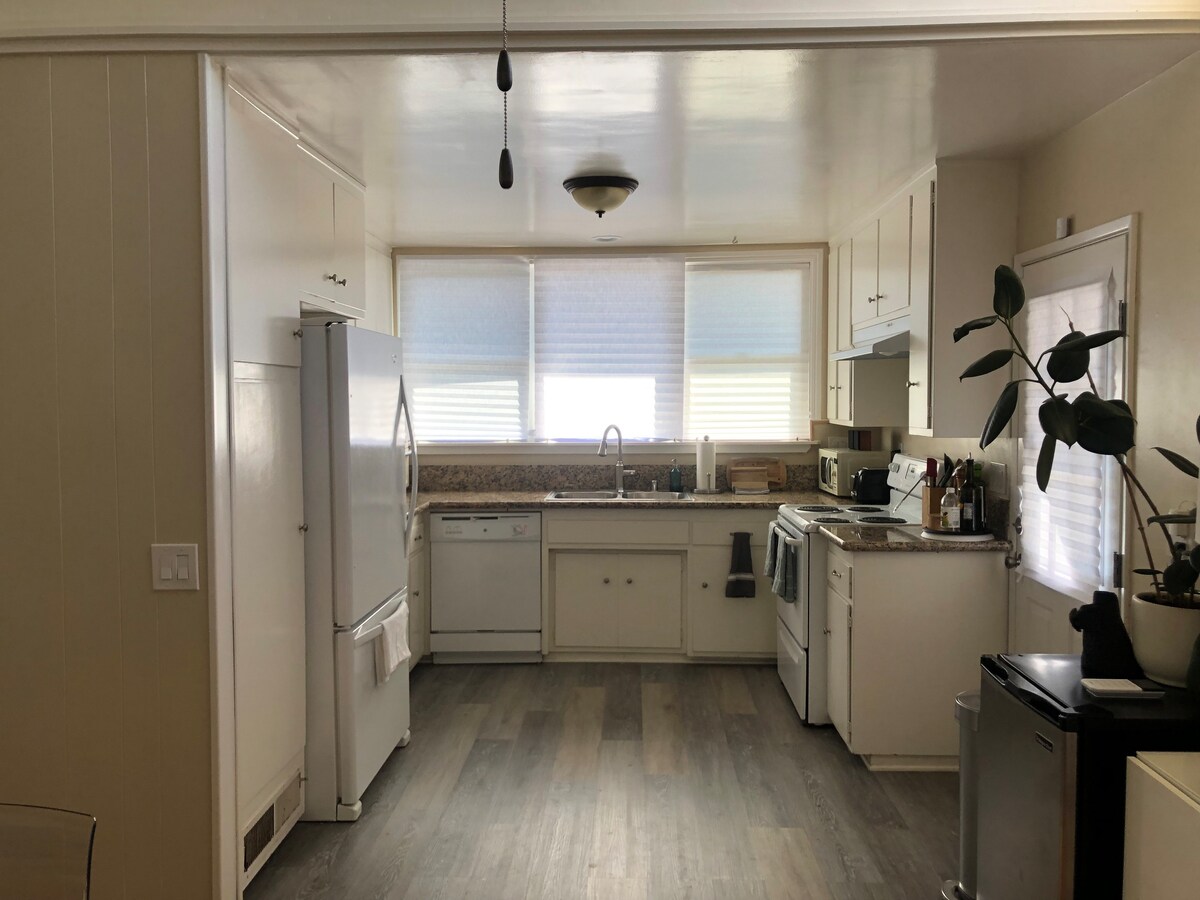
[1139, 155]
[105, 703]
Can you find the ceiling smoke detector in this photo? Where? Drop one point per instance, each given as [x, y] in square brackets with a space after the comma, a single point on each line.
[600, 193]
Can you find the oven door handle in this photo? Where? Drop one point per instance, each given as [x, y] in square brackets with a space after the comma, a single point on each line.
[787, 538]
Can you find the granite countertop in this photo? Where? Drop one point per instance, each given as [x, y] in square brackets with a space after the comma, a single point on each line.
[450, 500]
[872, 538]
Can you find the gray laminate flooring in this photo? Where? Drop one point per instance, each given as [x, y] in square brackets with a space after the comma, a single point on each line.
[623, 780]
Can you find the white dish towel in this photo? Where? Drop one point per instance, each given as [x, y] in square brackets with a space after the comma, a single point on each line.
[391, 647]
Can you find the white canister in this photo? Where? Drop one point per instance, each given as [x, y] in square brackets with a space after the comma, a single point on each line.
[706, 466]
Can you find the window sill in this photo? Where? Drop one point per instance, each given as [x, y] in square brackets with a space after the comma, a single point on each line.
[588, 448]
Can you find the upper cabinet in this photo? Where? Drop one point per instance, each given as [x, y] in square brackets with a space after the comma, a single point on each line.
[295, 236]
[925, 261]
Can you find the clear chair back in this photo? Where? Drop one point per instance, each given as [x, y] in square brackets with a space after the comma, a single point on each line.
[45, 853]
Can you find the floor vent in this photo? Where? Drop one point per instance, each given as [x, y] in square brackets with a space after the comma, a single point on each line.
[258, 837]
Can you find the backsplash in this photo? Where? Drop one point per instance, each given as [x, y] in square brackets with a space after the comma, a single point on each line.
[580, 477]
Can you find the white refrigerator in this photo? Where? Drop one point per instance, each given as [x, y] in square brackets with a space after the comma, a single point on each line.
[360, 477]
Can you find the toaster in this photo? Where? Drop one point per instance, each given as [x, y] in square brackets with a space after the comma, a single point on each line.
[870, 486]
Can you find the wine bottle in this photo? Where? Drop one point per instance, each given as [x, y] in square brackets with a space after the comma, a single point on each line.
[969, 522]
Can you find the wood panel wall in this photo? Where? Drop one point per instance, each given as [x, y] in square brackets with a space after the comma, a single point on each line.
[104, 684]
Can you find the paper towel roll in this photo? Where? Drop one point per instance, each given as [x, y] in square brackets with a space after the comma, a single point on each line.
[706, 465]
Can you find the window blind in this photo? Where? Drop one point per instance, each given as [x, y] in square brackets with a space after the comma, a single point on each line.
[608, 346]
[747, 351]
[465, 327]
[1071, 531]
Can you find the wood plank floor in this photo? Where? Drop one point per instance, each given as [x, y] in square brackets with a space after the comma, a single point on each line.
[623, 781]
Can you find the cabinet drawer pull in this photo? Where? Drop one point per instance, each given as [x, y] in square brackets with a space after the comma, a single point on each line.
[606, 581]
[629, 581]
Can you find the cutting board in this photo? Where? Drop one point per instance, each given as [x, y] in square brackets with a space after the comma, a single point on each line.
[756, 472]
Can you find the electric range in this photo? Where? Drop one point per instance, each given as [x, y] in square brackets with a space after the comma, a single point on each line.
[905, 474]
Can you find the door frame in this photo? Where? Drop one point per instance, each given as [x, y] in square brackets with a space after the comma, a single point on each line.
[1127, 226]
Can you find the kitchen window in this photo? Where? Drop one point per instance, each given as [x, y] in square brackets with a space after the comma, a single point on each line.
[552, 348]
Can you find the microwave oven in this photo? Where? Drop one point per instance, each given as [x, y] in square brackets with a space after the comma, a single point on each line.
[836, 467]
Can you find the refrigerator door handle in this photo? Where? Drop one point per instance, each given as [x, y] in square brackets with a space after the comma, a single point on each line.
[410, 441]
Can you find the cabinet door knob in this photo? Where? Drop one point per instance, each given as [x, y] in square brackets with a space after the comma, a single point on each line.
[911, 384]
[835, 573]
[303, 527]
[298, 333]
[606, 581]
[340, 281]
[872, 299]
[827, 631]
[629, 581]
[833, 387]
[704, 584]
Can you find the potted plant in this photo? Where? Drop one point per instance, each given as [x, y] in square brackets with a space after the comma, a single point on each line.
[1166, 619]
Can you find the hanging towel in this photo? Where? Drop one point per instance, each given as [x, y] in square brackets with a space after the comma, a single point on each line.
[786, 578]
[773, 542]
[741, 568]
[391, 647]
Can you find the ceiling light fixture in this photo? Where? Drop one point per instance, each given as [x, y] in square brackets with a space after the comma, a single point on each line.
[600, 193]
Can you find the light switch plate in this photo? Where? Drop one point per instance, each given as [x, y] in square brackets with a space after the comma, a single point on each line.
[173, 567]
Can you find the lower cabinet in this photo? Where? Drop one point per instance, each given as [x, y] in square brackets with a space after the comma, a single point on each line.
[837, 624]
[418, 603]
[732, 626]
[618, 600]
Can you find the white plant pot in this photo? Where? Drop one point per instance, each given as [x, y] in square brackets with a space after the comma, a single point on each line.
[1163, 637]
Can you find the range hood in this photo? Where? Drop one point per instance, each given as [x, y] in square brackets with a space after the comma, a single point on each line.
[886, 340]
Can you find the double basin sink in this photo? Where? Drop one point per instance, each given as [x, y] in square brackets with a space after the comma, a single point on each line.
[630, 496]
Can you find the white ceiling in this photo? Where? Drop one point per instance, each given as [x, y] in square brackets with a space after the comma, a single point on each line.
[764, 145]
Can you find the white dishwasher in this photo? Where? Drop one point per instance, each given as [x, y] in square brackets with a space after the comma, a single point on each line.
[485, 587]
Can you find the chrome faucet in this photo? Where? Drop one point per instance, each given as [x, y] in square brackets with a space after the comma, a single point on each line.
[621, 470]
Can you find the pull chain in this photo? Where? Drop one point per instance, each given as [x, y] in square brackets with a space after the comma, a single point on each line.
[504, 83]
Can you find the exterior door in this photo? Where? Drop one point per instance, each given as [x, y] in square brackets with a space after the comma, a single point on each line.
[1070, 535]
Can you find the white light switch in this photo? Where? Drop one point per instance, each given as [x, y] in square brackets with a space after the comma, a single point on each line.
[173, 567]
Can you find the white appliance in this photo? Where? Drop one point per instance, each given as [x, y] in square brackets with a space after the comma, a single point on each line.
[485, 586]
[836, 467]
[360, 462]
[801, 637]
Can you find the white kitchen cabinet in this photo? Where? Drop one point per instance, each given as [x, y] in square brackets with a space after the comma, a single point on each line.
[839, 319]
[333, 274]
[618, 600]
[838, 624]
[895, 242]
[964, 225]
[864, 274]
[729, 626]
[906, 633]
[1162, 825]
[264, 236]
[268, 584]
[867, 393]
[418, 592]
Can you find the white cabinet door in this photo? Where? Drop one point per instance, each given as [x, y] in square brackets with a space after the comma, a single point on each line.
[262, 237]
[650, 613]
[731, 625]
[315, 199]
[838, 621]
[864, 280]
[845, 280]
[895, 230]
[349, 248]
[1162, 828]
[920, 310]
[418, 605]
[586, 590]
[844, 393]
[268, 576]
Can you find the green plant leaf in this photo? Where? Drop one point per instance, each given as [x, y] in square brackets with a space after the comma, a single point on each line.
[1198, 428]
[1065, 366]
[1194, 557]
[1187, 518]
[1182, 463]
[997, 359]
[1179, 577]
[1079, 341]
[1045, 463]
[1000, 415]
[1105, 427]
[1009, 297]
[1057, 417]
[1147, 572]
[974, 325]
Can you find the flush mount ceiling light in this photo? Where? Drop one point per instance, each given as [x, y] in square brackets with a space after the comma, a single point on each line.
[600, 193]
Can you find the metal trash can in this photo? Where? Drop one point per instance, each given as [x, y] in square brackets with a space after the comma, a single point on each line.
[966, 710]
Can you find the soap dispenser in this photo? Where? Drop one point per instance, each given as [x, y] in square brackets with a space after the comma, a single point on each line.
[676, 476]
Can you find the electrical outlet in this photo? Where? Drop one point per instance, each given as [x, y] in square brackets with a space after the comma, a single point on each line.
[173, 567]
[995, 476]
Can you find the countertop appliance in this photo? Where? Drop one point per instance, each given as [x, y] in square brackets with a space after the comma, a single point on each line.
[801, 642]
[360, 462]
[1052, 766]
[485, 587]
[836, 467]
[870, 485]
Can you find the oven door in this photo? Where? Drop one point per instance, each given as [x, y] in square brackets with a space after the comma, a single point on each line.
[793, 613]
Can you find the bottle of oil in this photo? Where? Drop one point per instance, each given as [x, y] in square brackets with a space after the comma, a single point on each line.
[675, 476]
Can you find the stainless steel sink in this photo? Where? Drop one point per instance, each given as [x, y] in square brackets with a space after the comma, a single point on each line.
[612, 495]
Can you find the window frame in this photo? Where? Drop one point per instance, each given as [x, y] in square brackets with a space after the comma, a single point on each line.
[813, 257]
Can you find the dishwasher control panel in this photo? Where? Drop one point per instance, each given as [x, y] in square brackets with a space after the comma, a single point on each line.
[486, 526]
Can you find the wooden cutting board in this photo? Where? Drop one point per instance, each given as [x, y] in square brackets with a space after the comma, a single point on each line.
[757, 471]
